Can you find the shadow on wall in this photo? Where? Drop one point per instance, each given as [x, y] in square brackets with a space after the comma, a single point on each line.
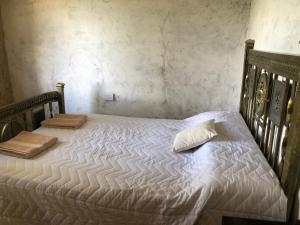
[6, 95]
[21, 55]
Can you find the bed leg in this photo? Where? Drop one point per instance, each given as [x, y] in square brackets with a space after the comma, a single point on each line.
[60, 88]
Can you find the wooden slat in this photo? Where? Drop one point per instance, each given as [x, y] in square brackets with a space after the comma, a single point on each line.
[51, 109]
[271, 143]
[280, 127]
[268, 128]
[252, 95]
[265, 125]
[276, 149]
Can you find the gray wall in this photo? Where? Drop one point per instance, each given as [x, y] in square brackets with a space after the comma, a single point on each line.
[275, 26]
[5, 87]
[161, 58]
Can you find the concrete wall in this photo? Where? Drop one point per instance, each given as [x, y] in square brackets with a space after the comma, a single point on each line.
[5, 87]
[170, 58]
[275, 26]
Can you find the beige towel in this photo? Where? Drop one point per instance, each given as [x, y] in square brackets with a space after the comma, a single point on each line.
[65, 121]
[27, 144]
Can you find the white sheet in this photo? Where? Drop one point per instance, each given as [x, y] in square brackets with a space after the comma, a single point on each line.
[118, 170]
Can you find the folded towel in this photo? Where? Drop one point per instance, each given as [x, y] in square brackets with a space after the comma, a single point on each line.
[65, 121]
[27, 144]
[71, 116]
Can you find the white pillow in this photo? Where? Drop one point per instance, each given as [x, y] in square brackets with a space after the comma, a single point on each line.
[194, 136]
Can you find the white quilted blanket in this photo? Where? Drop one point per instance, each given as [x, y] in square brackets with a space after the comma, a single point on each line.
[118, 170]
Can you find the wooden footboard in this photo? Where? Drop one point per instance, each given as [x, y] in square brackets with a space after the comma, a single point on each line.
[27, 114]
[270, 105]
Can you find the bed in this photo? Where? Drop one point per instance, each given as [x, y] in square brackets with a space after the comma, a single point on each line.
[120, 170]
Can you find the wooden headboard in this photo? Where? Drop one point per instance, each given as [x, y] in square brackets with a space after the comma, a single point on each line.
[27, 114]
[270, 105]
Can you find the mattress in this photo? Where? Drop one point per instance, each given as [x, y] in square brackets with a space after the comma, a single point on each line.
[119, 170]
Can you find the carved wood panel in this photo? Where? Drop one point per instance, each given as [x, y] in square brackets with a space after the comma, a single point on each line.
[278, 102]
[261, 94]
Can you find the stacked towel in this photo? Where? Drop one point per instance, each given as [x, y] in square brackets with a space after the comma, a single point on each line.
[27, 144]
[65, 121]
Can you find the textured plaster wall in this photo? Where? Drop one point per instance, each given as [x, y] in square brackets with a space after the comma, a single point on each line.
[5, 87]
[162, 58]
[275, 26]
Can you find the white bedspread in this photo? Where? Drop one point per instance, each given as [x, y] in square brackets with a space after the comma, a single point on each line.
[118, 170]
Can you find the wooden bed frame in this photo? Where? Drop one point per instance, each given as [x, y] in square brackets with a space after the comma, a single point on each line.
[28, 114]
[270, 105]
